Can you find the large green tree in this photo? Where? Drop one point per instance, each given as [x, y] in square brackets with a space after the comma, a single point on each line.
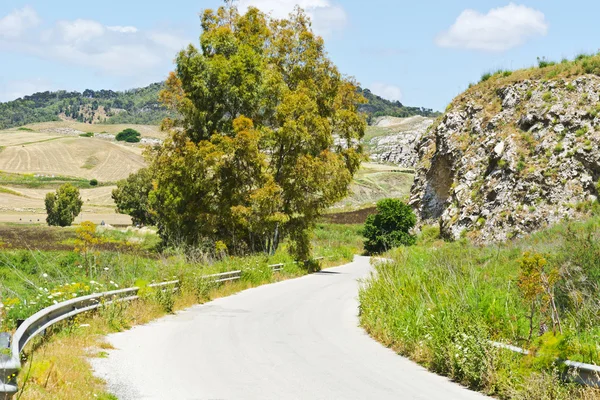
[63, 205]
[268, 135]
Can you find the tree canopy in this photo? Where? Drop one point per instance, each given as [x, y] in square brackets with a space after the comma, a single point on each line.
[131, 197]
[63, 205]
[268, 135]
[129, 135]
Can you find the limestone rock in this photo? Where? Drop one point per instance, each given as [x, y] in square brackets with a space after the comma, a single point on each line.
[508, 161]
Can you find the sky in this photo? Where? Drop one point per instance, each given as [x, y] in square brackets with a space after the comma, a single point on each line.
[422, 53]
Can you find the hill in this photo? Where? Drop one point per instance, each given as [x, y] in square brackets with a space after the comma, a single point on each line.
[135, 106]
[514, 153]
[138, 106]
[377, 106]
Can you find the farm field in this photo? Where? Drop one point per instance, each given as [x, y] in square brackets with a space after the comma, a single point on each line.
[148, 131]
[73, 156]
[24, 205]
[375, 182]
[16, 138]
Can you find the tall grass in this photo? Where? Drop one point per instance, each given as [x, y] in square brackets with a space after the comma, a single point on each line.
[440, 304]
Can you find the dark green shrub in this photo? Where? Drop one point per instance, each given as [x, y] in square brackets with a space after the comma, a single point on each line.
[390, 227]
[88, 134]
[129, 135]
[93, 182]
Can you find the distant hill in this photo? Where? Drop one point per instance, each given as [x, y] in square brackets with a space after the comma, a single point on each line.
[135, 106]
[139, 106]
[379, 107]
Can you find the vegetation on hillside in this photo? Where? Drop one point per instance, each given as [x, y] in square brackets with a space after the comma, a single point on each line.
[135, 106]
[142, 106]
[377, 106]
[440, 303]
[544, 70]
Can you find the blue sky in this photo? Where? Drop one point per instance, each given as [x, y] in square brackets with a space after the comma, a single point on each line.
[421, 52]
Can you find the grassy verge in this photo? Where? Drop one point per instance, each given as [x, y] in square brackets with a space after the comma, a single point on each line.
[57, 367]
[439, 304]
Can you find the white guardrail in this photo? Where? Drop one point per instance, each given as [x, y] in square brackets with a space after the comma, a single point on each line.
[585, 374]
[11, 348]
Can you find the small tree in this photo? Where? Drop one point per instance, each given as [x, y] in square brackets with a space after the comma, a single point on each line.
[63, 206]
[537, 282]
[389, 227]
[129, 135]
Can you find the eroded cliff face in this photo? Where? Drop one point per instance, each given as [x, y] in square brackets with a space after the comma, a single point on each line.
[510, 158]
[399, 143]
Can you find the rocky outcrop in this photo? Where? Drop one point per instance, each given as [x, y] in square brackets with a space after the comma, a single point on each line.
[511, 157]
[398, 145]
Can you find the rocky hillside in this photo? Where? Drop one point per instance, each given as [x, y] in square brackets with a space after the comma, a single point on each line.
[394, 140]
[513, 154]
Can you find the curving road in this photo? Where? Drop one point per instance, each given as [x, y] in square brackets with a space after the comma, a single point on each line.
[297, 339]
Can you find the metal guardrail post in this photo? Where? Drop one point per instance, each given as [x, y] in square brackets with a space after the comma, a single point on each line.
[8, 369]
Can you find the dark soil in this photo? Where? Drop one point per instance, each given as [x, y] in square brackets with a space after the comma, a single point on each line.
[349, 218]
[37, 237]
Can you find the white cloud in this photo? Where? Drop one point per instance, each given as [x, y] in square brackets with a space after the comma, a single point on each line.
[326, 16]
[114, 50]
[80, 30]
[18, 22]
[389, 92]
[122, 29]
[499, 30]
[18, 88]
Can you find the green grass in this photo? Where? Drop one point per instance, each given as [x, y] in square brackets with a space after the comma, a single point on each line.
[9, 191]
[43, 182]
[28, 277]
[439, 303]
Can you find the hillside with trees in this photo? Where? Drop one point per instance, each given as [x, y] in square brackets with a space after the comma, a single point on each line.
[135, 106]
[140, 106]
[377, 106]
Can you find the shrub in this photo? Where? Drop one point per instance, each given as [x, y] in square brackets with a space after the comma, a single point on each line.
[129, 135]
[63, 206]
[486, 76]
[547, 97]
[390, 227]
[543, 62]
[88, 134]
[93, 182]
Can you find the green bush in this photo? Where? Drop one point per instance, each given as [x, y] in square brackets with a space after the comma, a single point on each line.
[129, 135]
[93, 182]
[390, 227]
[88, 134]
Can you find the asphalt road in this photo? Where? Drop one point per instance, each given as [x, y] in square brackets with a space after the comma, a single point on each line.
[297, 339]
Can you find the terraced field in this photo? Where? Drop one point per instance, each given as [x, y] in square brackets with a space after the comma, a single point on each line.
[73, 156]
